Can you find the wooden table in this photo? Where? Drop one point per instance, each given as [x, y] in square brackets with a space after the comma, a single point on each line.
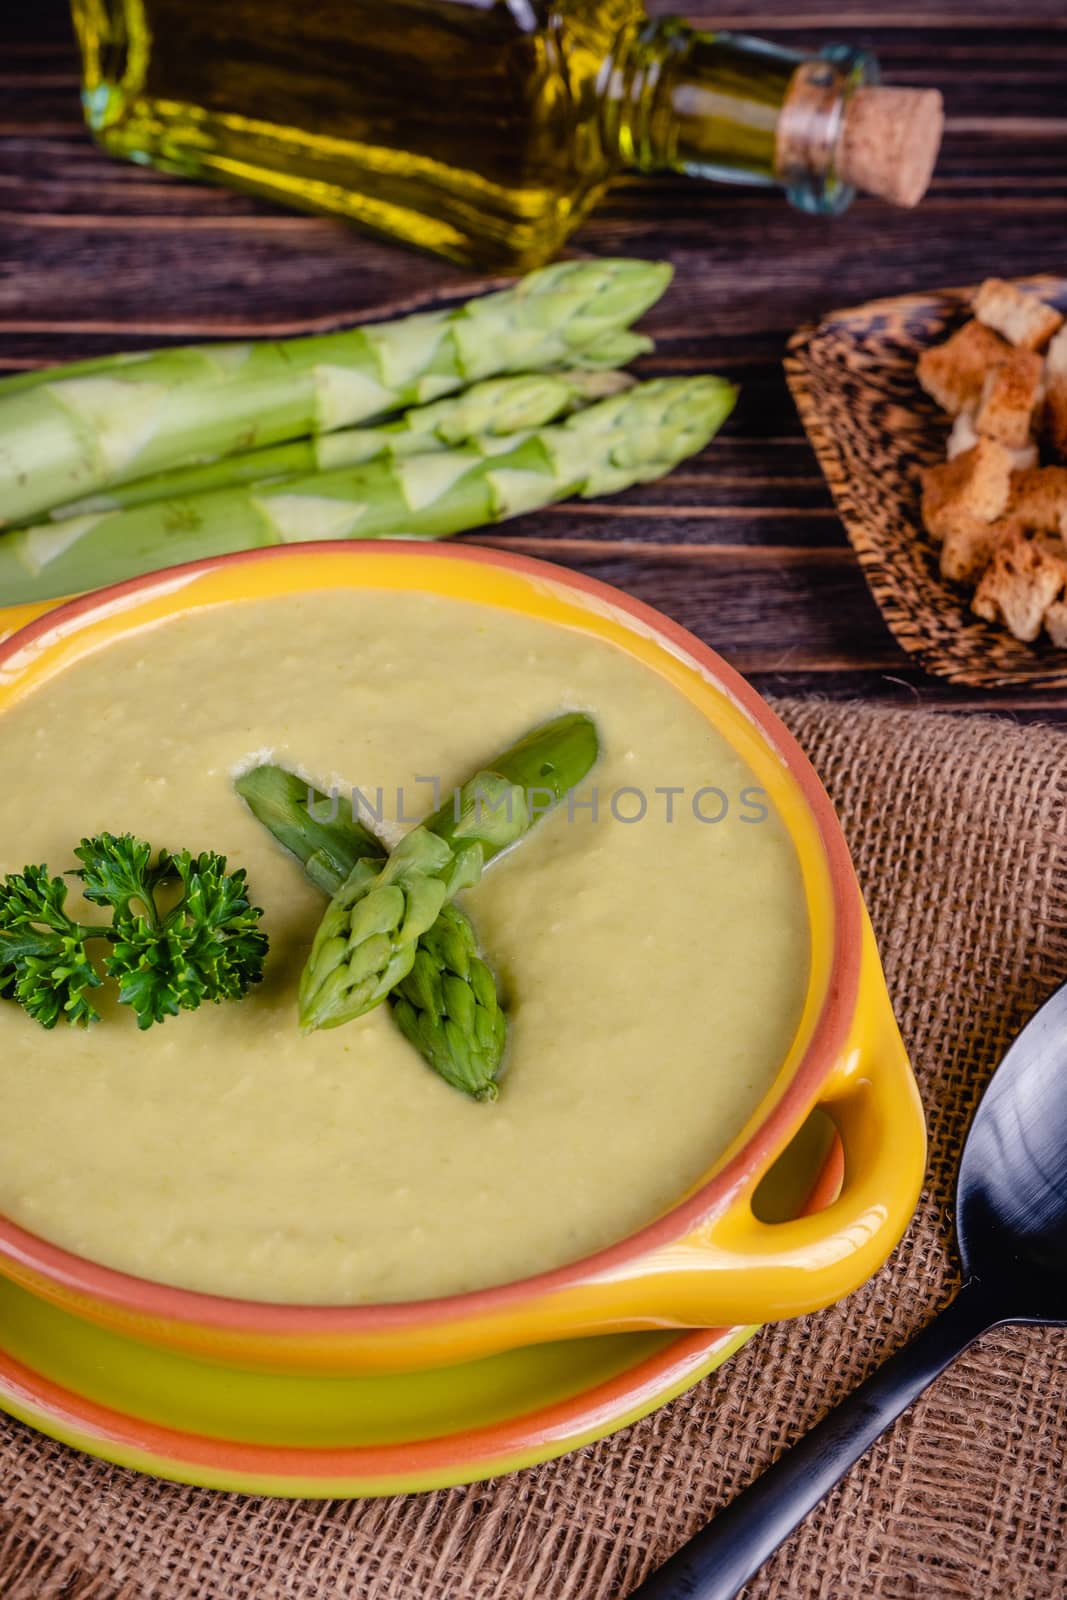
[743, 546]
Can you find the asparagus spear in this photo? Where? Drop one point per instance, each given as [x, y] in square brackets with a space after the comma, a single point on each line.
[292, 810]
[617, 348]
[367, 941]
[494, 407]
[447, 1006]
[74, 431]
[631, 438]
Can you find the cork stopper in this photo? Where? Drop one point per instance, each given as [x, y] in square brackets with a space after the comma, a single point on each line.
[889, 142]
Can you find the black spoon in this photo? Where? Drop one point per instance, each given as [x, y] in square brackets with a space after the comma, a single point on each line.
[1011, 1223]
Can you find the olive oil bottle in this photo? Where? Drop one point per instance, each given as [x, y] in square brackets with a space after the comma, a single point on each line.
[485, 129]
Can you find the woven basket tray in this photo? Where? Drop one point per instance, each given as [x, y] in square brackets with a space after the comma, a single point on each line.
[872, 428]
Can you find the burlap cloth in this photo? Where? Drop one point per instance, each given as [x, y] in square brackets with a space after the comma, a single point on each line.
[957, 827]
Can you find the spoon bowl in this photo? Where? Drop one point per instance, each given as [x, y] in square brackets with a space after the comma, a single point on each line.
[1011, 1198]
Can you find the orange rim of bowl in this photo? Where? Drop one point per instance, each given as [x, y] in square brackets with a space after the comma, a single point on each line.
[268, 1319]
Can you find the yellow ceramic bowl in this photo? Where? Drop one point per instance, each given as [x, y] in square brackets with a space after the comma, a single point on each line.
[708, 1262]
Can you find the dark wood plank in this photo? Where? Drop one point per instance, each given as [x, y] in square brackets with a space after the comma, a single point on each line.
[742, 545]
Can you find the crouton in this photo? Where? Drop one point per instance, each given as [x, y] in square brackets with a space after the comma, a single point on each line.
[1010, 394]
[1055, 418]
[1054, 422]
[964, 435]
[976, 484]
[1021, 318]
[999, 515]
[1021, 582]
[968, 545]
[1056, 356]
[1056, 623]
[953, 373]
[1038, 498]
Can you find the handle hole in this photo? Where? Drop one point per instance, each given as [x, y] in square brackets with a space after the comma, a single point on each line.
[807, 1175]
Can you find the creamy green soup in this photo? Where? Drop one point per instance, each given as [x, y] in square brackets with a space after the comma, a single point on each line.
[654, 970]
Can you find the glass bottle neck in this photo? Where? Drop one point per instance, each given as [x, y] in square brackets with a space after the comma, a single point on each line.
[732, 108]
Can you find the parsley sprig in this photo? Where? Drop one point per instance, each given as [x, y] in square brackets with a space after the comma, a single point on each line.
[167, 955]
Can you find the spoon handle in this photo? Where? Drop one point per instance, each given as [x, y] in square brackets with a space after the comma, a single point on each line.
[719, 1560]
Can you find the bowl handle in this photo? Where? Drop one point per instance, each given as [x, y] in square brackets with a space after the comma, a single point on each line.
[761, 1271]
